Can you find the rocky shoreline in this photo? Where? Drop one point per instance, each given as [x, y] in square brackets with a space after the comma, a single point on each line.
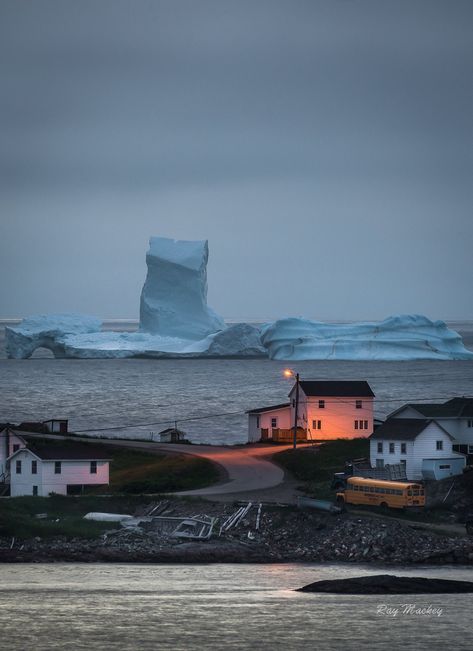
[282, 535]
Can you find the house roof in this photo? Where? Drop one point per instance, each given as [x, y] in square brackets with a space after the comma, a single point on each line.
[66, 452]
[272, 408]
[171, 429]
[454, 408]
[403, 429]
[336, 388]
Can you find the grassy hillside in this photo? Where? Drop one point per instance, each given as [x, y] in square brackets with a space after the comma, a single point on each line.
[315, 465]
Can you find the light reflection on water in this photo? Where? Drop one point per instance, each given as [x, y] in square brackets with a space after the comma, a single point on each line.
[215, 607]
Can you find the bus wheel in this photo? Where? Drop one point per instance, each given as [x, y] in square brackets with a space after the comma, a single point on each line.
[384, 506]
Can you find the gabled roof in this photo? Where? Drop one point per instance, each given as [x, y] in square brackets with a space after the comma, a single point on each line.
[66, 452]
[336, 388]
[404, 429]
[454, 408]
[272, 408]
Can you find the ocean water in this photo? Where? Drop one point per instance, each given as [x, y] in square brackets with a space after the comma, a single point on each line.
[207, 398]
[220, 607]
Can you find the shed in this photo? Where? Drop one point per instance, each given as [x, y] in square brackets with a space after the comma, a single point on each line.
[442, 468]
[172, 435]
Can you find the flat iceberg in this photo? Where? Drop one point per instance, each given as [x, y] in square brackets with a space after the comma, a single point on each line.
[175, 321]
[174, 296]
[402, 337]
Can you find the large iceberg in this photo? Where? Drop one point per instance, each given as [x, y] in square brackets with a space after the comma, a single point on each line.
[174, 296]
[175, 321]
[402, 337]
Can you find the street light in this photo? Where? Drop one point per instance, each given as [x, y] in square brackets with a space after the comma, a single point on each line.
[290, 373]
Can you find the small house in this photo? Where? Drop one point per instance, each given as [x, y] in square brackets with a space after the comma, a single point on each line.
[57, 426]
[172, 435]
[423, 445]
[45, 469]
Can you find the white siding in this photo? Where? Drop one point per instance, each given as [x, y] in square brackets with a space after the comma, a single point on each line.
[283, 421]
[423, 447]
[72, 472]
[456, 427]
[13, 441]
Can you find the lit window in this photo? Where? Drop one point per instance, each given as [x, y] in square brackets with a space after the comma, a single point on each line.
[57, 467]
[439, 445]
[93, 467]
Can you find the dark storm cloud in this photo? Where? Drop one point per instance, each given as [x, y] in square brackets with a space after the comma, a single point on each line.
[363, 106]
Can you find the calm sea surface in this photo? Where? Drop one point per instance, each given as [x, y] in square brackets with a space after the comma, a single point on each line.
[219, 607]
[144, 396]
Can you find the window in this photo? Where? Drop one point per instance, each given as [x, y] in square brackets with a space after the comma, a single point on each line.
[35, 491]
[439, 445]
[274, 422]
[366, 424]
[316, 424]
[444, 467]
[257, 422]
[380, 447]
[470, 449]
[403, 448]
[293, 402]
[34, 467]
[470, 423]
[361, 424]
[18, 467]
[379, 463]
[358, 404]
[321, 404]
[93, 467]
[57, 467]
[16, 447]
[391, 448]
[403, 461]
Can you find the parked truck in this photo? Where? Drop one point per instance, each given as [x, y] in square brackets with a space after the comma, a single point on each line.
[362, 468]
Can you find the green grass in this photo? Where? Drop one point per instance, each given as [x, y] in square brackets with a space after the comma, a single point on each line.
[315, 466]
[64, 515]
[319, 463]
[139, 472]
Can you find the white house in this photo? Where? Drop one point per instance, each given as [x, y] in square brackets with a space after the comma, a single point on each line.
[455, 416]
[423, 445]
[262, 421]
[327, 409]
[41, 470]
[10, 442]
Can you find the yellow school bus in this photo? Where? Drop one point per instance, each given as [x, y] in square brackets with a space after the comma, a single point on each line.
[387, 494]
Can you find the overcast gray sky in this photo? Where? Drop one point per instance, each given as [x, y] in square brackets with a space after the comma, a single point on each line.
[324, 148]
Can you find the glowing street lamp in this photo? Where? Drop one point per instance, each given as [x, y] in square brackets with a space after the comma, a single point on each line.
[288, 372]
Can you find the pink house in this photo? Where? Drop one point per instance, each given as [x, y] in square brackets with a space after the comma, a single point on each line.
[327, 409]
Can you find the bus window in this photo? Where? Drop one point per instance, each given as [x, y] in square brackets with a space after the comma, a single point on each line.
[409, 492]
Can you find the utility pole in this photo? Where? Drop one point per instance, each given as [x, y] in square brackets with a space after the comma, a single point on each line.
[295, 411]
